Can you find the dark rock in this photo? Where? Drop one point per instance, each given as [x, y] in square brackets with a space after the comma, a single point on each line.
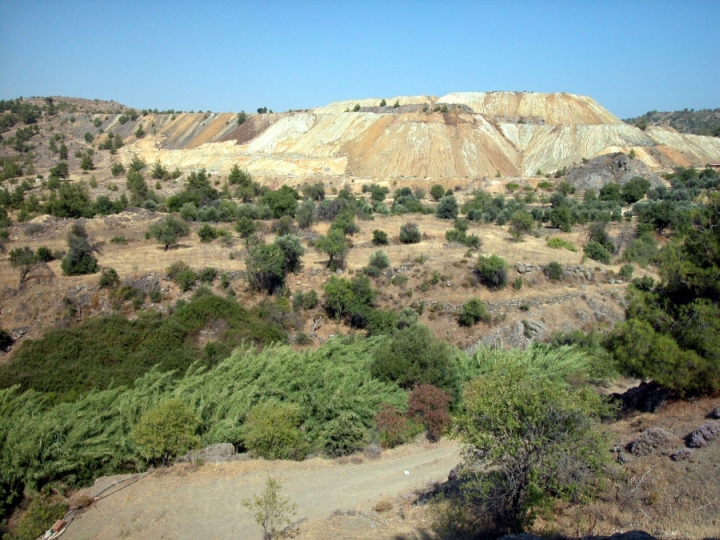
[648, 397]
[617, 167]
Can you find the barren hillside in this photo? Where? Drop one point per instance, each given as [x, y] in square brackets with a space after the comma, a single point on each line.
[461, 135]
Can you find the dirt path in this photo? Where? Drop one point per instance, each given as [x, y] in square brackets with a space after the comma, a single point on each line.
[206, 503]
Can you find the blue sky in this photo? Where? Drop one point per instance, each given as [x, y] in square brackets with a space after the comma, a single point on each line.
[226, 56]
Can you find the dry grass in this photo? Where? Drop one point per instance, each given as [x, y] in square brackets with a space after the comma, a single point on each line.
[40, 306]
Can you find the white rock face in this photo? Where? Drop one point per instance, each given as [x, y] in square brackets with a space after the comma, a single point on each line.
[515, 133]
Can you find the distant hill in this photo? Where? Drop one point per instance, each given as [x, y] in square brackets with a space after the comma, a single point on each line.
[702, 122]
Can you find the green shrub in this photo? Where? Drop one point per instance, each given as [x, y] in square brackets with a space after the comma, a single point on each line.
[407, 317]
[308, 300]
[165, 431]
[105, 352]
[351, 300]
[534, 440]
[518, 283]
[437, 192]
[553, 271]
[208, 233]
[410, 234]
[626, 272]
[43, 254]
[181, 274]
[379, 238]
[473, 311]
[44, 444]
[642, 250]
[271, 431]
[558, 243]
[379, 260]
[597, 252]
[207, 275]
[117, 169]
[155, 296]
[447, 208]
[492, 271]
[642, 352]
[413, 355]
[635, 189]
[108, 278]
[521, 223]
[399, 279]
[79, 259]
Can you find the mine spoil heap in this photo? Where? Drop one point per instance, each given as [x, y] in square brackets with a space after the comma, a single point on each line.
[470, 135]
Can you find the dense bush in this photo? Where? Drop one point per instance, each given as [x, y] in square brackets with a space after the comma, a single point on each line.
[282, 202]
[413, 355]
[108, 278]
[79, 259]
[350, 300]
[41, 514]
[553, 271]
[111, 351]
[410, 234]
[269, 264]
[271, 431]
[165, 431]
[534, 440]
[73, 443]
[379, 238]
[492, 271]
[182, 275]
[437, 192]
[597, 252]
[671, 333]
[447, 208]
[379, 260]
[473, 311]
[641, 250]
[635, 189]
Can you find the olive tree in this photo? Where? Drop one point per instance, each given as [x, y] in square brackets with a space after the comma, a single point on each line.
[168, 231]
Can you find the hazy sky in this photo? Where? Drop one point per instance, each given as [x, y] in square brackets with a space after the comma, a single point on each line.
[226, 56]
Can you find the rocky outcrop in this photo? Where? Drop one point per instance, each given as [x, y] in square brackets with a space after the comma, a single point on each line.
[616, 167]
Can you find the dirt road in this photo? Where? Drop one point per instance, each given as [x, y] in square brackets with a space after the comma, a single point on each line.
[206, 503]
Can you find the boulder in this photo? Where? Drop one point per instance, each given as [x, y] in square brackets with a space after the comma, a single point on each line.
[215, 453]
